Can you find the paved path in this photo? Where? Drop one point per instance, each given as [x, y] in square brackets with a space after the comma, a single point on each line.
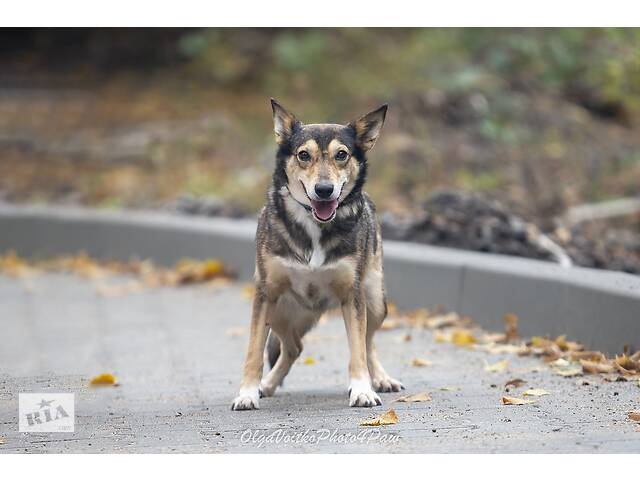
[178, 358]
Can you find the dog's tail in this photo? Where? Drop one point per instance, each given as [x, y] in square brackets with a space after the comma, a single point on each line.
[273, 349]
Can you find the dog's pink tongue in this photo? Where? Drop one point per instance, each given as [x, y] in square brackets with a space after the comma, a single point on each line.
[324, 210]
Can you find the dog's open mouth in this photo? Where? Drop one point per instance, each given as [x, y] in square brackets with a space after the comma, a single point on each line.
[324, 211]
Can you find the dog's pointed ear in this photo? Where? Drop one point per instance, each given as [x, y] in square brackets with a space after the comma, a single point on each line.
[284, 122]
[368, 127]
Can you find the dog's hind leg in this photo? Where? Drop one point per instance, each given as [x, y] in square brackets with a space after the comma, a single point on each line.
[290, 323]
[290, 348]
[376, 313]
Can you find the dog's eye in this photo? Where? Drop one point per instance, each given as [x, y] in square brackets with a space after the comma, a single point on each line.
[304, 156]
[342, 155]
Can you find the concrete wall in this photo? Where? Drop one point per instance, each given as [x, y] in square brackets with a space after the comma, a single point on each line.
[599, 308]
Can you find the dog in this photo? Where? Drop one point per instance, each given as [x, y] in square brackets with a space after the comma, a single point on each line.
[318, 247]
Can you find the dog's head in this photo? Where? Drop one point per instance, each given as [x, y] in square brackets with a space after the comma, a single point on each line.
[324, 163]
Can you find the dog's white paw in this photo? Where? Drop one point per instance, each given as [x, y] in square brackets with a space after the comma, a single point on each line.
[361, 394]
[267, 389]
[247, 399]
[386, 384]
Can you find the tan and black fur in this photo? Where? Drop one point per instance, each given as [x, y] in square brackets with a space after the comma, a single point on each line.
[318, 247]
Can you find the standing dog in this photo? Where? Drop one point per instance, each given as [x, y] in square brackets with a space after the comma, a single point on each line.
[318, 247]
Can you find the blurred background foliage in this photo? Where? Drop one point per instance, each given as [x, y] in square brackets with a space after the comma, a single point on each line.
[541, 119]
[596, 66]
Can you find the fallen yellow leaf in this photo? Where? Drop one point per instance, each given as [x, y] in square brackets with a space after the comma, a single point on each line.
[103, 379]
[449, 389]
[1, 440]
[515, 401]
[534, 392]
[496, 367]
[387, 418]
[462, 337]
[421, 362]
[309, 361]
[416, 397]
[635, 416]
[540, 341]
[194, 271]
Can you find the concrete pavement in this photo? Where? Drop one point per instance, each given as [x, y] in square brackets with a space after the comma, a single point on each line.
[177, 353]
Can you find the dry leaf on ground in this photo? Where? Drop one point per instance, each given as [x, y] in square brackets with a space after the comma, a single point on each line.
[387, 418]
[309, 361]
[515, 401]
[104, 379]
[496, 367]
[416, 397]
[565, 368]
[535, 392]
[462, 337]
[449, 389]
[596, 367]
[442, 321]
[627, 365]
[635, 416]
[515, 382]
[13, 265]
[511, 327]
[421, 362]
[493, 337]
[502, 348]
[597, 357]
[1, 440]
[566, 345]
[193, 271]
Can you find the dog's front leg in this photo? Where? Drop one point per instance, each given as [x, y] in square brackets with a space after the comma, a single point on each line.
[354, 312]
[249, 394]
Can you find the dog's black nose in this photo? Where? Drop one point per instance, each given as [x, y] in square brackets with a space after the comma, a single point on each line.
[324, 190]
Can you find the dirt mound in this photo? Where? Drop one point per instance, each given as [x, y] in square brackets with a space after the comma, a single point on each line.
[467, 221]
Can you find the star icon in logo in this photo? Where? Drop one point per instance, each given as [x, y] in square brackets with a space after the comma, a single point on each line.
[45, 403]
